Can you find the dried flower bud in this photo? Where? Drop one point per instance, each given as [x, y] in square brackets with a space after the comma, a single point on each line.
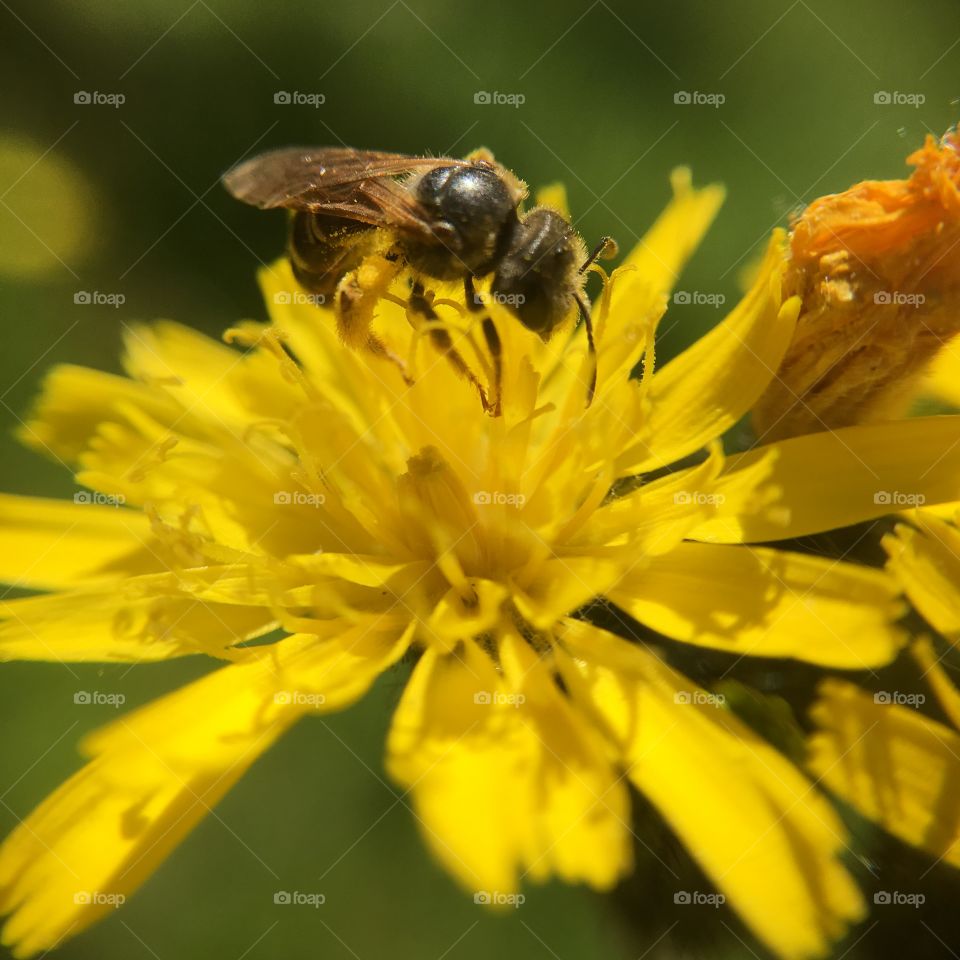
[878, 271]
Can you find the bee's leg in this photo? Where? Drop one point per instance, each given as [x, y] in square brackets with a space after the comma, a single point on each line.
[475, 305]
[591, 346]
[356, 297]
[604, 250]
[441, 339]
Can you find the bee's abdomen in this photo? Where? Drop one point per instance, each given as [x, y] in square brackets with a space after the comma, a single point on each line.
[323, 248]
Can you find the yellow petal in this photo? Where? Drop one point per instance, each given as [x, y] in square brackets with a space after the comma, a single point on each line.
[122, 621]
[894, 765]
[656, 261]
[711, 385]
[656, 515]
[47, 544]
[156, 773]
[768, 603]
[507, 781]
[211, 381]
[943, 378]
[944, 690]
[841, 477]
[74, 403]
[563, 584]
[581, 810]
[635, 298]
[752, 821]
[554, 196]
[926, 562]
[465, 757]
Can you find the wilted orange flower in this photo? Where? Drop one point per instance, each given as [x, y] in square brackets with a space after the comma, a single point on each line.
[878, 270]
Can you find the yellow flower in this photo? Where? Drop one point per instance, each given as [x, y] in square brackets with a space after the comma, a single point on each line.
[895, 765]
[890, 762]
[304, 513]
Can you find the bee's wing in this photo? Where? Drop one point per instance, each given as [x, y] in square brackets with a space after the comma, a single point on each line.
[359, 185]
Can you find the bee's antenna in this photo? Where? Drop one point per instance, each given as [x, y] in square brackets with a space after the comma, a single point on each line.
[606, 249]
[591, 346]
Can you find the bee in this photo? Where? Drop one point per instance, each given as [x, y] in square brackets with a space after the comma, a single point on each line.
[359, 217]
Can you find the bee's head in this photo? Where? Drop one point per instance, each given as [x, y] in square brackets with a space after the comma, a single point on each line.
[538, 277]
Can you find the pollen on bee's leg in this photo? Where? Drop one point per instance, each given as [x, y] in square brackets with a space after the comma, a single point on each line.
[877, 268]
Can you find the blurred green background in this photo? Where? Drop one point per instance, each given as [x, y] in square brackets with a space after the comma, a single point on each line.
[123, 201]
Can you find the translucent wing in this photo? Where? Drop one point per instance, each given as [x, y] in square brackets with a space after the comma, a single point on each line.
[361, 185]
